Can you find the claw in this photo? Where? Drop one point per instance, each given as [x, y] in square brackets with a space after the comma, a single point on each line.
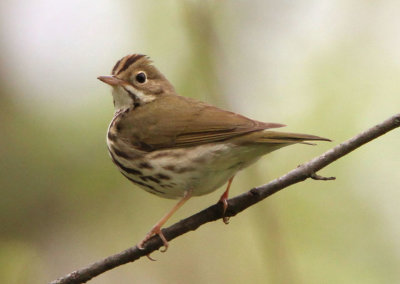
[224, 201]
[149, 257]
[164, 240]
[155, 231]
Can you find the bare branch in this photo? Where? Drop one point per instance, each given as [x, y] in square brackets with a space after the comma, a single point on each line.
[236, 204]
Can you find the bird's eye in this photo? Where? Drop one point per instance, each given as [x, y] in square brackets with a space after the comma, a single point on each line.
[141, 77]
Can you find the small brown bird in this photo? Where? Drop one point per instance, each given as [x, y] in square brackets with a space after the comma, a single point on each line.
[177, 147]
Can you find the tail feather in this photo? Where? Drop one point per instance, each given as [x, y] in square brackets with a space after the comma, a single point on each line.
[276, 137]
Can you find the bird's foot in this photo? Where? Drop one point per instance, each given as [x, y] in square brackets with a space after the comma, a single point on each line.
[156, 230]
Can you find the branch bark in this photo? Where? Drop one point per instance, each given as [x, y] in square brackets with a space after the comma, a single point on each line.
[235, 205]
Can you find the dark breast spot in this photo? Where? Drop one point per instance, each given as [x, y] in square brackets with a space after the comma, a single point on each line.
[171, 154]
[177, 170]
[146, 178]
[169, 168]
[145, 165]
[111, 136]
[140, 145]
[166, 186]
[122, 167]
[184, 170]
[144, 184]
[120, 153]
[162, 176]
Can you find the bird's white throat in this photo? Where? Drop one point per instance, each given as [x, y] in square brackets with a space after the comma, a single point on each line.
[122, 99]
[127, 96]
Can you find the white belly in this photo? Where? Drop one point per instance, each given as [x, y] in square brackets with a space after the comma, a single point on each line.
[202, 169]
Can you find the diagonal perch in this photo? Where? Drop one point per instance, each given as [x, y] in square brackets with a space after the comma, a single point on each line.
[236, 204]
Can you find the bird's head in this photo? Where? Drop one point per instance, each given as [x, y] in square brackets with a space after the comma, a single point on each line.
[136, 81]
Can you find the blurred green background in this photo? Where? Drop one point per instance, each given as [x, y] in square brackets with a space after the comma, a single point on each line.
[329, 68]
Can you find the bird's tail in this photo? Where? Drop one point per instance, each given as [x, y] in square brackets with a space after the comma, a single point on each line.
[276, 137]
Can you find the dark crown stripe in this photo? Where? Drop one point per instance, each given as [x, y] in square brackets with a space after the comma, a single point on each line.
[115, 67]
[132, 59]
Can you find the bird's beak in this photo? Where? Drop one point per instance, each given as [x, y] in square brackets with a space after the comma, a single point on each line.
[110, 80]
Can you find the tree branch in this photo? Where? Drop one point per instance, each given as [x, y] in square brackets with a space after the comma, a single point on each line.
[236, 204]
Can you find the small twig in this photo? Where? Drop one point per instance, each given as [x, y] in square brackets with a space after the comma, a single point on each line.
[318, 177]
[236, 204]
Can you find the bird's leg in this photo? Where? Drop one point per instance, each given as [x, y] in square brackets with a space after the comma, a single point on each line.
[156, 230]
[224, 200]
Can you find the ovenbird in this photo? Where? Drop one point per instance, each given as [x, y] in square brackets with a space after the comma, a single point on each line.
[178, 147]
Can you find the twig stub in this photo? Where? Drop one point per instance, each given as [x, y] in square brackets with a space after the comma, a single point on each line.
[318, 177]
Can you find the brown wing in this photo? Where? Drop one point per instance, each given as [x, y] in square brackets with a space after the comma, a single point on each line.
[175, 121]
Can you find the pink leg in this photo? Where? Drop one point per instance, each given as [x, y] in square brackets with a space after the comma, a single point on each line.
[224, 200]
[156, 230]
